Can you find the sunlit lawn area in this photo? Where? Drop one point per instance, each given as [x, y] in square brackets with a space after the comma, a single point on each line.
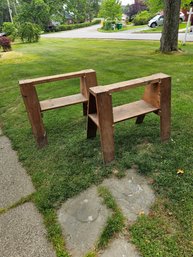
[71, 163]
[159, 28]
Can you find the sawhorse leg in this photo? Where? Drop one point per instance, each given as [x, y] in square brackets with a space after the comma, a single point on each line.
[165, 106]
[105, 119]
[34, 114]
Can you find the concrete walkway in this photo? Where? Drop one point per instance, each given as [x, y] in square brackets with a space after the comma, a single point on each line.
[82, 218]
[92, 33]
[22, 232]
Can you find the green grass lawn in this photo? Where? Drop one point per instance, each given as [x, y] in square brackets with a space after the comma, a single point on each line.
[71, 163]
[159, 28]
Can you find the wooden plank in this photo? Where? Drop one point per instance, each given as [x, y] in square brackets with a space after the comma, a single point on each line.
[152, 94]
[127, 111]
[53, 78]
[89, 80]
[51, 104]
[94, 118]
[105, 117]
[131, 110]
[91, 125]
[116, 87]
[34, 114]
[165, 115]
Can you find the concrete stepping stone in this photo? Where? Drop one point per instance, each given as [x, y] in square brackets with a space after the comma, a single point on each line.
[132, 193]
[120, 248]
[82, 219]
[22, 233]
[14, 182]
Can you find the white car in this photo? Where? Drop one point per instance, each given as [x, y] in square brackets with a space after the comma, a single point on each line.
[158, 20]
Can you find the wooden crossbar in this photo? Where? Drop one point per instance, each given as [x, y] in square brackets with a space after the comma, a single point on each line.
[102, 114]
[71, 75]
[119, 86]
[35, 107]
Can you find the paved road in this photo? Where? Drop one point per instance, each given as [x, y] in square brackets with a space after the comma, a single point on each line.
[91, 32]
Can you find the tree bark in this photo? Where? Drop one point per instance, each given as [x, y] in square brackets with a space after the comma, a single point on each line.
[169, 39]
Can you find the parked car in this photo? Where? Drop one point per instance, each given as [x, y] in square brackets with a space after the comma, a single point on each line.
[158, 20]
[3, 34]
[182, 17]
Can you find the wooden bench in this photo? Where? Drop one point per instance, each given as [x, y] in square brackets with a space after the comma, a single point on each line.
[35, 107]
[102, 114]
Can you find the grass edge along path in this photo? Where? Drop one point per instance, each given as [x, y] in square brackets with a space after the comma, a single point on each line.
[115, 222]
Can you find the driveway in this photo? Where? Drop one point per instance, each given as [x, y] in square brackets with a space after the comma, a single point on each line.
[91, 32]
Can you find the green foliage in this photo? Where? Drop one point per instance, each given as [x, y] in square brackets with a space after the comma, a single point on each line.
[5, 43]
[10, 29]
[35, 11]
[55, 7]
[77, 9]
[155, 5]
[186, 3]
[4, 12]
[29, 32]
[142, 18]
[151, 235]
[110, 9]
[82, 10]
[92, 9]
[158, 5]
[115, 223]
[108, 25]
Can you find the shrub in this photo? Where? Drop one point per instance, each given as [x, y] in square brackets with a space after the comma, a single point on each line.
[5, 43]
[29, 32]
[108, 25]
[142, 18]
[10, 30]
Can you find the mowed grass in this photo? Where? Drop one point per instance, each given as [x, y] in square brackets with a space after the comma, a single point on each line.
[71, 163]
[127, 27]
[159, 29]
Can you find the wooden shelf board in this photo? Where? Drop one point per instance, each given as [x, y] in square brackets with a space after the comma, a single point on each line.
[62, 101]
[128, 111]
[132, 110]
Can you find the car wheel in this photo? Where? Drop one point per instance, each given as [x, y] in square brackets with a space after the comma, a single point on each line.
[153, 25]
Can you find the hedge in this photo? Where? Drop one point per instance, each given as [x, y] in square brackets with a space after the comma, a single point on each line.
[65, 27]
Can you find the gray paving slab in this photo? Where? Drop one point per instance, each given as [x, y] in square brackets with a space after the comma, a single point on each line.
[132, 193]
[120, 248]
[14, 182]
[82, 219]
[22, 233]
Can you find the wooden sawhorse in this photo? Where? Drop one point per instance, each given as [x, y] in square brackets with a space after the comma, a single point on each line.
[102, 115]
[35, 107]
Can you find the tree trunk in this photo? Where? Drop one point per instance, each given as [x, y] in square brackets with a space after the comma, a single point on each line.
[169, 39]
